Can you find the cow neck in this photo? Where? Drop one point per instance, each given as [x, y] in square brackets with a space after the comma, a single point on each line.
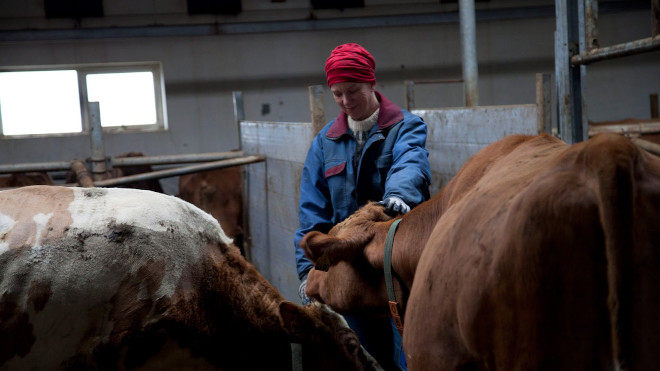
[412, 234]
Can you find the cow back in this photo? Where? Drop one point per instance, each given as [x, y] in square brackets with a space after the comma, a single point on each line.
[546, 263]
[95, 278]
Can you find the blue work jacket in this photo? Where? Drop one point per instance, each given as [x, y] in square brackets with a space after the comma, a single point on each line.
[394, 162]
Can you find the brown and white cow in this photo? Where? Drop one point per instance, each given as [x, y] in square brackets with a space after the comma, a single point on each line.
[126, 279]
[537, 255]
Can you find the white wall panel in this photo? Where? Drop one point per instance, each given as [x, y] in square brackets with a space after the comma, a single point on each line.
[274, 190]
[455, 134]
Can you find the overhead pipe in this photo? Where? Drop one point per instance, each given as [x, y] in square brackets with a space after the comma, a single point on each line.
[469, 52]
[215, 29]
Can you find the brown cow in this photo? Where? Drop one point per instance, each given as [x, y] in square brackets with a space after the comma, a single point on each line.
[219, 193]
[537, 255]
[122, 171]
[94, 278]
[25, 179]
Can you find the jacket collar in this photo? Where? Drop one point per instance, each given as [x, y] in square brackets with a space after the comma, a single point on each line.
[389, 115]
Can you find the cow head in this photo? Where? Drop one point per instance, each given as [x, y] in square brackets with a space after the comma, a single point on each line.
[352, 256]
[327, 341]
[348, 240]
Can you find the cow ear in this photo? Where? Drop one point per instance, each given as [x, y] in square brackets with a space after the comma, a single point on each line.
[294, 320]
[316, 244]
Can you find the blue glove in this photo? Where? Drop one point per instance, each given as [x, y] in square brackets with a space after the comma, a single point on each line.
[303, 295]
[394, 205]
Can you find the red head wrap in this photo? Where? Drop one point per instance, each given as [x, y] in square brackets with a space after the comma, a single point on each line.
[350, 63]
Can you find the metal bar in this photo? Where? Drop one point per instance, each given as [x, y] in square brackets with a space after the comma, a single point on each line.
[469, 52]
[617, 51]
[37, 166]
[83, 176]
[239, 117]
[316, 107]
[568, 77]
[581, 126]
[247, 237]
[239, 112]
[181, 170]
[633, 128]
[174, 159]
[410, 94]
[649, 146]
[655, 17]
[99, 169]
[591, 24]
[125, 161]
[439, 81]
[543, 104]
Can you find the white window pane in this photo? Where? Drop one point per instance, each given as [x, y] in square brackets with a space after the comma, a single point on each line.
[125, 98]
[39, 102]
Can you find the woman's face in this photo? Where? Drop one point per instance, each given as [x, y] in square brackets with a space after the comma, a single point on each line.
[356, 99]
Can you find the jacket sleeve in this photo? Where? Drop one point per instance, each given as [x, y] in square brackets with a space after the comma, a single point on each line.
[410, 174]
[314, 208]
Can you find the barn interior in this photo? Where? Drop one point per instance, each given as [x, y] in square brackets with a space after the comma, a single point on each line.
[248, 75]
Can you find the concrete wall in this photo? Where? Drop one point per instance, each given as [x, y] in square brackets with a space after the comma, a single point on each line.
[273, 69]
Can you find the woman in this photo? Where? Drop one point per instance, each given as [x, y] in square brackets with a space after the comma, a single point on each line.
[373, 150]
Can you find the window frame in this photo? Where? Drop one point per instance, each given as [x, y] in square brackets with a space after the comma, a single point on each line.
[82, 70]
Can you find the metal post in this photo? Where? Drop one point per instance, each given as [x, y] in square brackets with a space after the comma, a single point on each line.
[410, 94]
[591, 24]
[655, 18]
[239, 113]
[239, 116]
[82, 175]
[568, 77]
[469, 49]
[316, 107]
[96, 136]
[653, 98]
[543, 103]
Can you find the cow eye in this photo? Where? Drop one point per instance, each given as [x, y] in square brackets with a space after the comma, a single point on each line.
[352, 346]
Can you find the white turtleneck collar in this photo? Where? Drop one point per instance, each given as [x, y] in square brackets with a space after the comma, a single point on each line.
[363, 125]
